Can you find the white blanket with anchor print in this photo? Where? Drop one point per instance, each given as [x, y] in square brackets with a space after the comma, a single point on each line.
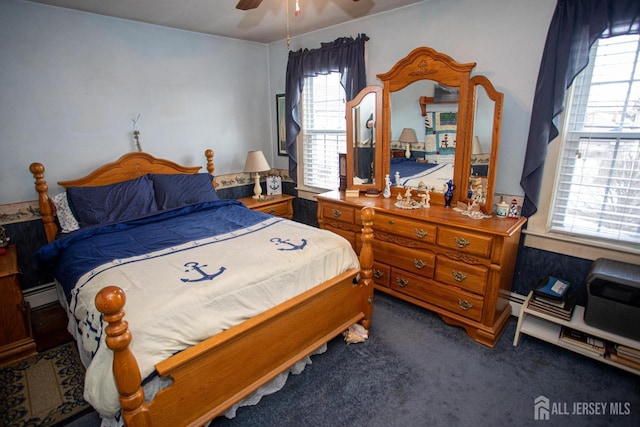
[182, 295]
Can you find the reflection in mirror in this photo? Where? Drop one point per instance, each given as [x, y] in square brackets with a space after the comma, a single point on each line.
[364, 143]
[425, 72]
[430, 110]
[486, 124]
[363, 140]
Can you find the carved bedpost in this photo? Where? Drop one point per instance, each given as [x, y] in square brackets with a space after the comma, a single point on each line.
[110, 302]
[366, 263]
[210, 167]
[46, 210]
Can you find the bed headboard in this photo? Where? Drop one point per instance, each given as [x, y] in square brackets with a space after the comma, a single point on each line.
[129, 166]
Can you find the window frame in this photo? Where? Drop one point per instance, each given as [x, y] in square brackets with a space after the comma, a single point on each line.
[538, 233]
[306, 191]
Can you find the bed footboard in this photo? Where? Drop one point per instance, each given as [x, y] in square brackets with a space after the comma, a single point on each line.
[210, 377]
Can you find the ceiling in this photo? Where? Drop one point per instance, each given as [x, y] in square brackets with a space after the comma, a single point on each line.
[265, 24]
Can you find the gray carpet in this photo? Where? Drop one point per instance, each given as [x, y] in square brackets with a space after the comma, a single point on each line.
[417, 371]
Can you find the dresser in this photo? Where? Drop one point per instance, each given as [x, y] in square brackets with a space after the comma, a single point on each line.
[458, 267]
[16, 341]
[278, 205]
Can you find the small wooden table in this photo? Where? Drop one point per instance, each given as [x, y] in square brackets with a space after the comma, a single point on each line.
[278, 205]
[16, 339]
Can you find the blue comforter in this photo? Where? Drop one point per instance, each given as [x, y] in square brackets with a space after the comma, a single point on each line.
[409, 167]
[79, 252]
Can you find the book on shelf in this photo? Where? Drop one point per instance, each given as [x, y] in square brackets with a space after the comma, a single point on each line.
[562, 309]
[628, 352]
[624, 361]
[552, 289]
[583, 340]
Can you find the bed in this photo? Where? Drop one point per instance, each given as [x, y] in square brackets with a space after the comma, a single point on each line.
[433, 175]
[195, 254]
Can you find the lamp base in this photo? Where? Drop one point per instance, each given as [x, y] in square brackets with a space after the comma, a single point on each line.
[257, 189]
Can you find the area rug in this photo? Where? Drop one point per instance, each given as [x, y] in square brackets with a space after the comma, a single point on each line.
[44, 390]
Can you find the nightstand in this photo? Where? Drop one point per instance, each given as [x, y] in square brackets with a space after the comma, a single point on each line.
[278, 205]
[16, 340]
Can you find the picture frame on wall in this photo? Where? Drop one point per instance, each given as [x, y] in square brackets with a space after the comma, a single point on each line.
[281, 136]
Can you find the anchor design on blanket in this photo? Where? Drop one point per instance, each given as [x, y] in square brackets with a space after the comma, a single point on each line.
[194, 266]
[294, 247]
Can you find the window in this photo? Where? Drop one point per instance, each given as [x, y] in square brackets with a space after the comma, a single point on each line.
[323, 132]
[597, 187]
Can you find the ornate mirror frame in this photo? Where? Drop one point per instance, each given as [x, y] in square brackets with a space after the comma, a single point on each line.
[488, 124]
[424, 63]
[364, 155]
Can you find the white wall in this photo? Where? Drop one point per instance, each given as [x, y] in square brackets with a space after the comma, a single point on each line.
[504, 37]
[71, 83]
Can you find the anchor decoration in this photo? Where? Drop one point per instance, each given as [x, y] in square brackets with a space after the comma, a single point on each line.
[293, 246]
[194, 266]
[274, 185]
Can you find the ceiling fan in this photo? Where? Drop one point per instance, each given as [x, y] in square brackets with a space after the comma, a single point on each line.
[251, 4]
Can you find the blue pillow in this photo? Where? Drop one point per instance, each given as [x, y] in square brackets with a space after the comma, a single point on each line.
[107, 204]
[177, 190]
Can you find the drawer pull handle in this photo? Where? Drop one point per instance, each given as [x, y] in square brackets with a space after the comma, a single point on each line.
[401, 282]
[336, 213]
[458, 276]
[465, 305]
[461, 243]
[419, 264]
[391, 222]
[377, 273]
[420, 233]
[272, 211]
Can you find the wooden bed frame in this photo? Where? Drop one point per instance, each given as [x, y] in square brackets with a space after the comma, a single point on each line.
[213, 375]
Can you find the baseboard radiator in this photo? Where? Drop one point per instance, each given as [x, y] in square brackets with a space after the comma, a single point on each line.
[41, 295]
[516, 301]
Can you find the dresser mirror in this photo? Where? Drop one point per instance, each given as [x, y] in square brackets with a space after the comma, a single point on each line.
[431, 122]
[423, 135]
[486, 119]
[443, 84]
[364, 140]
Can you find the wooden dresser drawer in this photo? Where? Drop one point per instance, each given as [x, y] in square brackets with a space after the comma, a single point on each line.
[448, 297]
[336, 212]
[470, 277]
[416, 261]
[405, 227]
[381, 274]
[282, 209]
[463, 241]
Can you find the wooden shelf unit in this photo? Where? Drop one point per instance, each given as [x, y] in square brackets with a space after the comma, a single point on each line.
[547, 328]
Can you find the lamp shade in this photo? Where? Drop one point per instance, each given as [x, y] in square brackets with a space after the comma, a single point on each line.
[408, 135]
[256, 162]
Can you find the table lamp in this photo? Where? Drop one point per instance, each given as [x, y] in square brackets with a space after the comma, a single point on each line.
[408, 136]
[256, 162]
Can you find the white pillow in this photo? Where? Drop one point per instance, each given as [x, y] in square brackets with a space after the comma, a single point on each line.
[67, 220]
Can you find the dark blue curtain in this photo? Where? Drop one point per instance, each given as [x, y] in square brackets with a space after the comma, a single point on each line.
[345, 56]
[575, 26]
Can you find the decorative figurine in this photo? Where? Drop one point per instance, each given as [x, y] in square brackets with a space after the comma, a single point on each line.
[387, 187]
[397, 176]
[425, 199]
[448, 194]
[513, 209]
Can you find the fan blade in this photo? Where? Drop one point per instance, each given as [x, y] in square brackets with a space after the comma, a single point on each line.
[248, 4]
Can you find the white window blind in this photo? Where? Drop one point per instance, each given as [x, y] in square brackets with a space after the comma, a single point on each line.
[597, 191]
[323, 131]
